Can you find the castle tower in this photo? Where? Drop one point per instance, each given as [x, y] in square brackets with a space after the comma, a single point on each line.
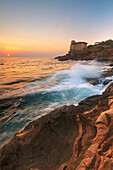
[76, 47]
[72, 47]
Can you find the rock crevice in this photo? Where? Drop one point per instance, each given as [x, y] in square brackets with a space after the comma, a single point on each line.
[67, 138]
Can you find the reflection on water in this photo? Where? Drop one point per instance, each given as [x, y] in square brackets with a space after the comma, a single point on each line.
[16, 73]
[30, 87]
[20, 79]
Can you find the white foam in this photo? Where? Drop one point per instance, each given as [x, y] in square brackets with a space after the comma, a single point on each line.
[72, 78]
[75, 77]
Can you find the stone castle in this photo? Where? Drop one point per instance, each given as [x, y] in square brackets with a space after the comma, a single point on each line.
[76, 47]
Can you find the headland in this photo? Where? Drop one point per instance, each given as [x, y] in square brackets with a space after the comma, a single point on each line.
[100, 51]
[71, 137]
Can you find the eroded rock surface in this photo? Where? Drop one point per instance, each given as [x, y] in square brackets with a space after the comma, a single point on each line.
[94, 53]
[68, 138]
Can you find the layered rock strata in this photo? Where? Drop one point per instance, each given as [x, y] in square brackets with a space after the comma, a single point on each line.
[68, 138]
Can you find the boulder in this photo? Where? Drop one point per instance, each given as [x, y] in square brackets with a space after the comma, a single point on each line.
[105, 82]
[93, 81]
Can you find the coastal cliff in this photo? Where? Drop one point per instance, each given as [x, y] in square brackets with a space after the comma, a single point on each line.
[67, 138]
[101, 52]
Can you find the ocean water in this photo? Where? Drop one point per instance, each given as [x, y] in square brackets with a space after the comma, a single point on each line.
[31, 87]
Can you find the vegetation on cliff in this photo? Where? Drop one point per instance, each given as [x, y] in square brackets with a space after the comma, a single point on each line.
[101, 51]
[108, 42]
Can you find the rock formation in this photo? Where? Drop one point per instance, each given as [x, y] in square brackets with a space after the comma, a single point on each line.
[105, 78]
[68, 138]
[98, 52]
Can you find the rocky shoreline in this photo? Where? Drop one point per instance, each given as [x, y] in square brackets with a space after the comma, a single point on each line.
[70, 137]
[101, 52]
[105, 78]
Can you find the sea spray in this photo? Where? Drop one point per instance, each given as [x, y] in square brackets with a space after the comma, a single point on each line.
[24, 101]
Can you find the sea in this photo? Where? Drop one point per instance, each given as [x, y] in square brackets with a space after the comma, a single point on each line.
[32, 87]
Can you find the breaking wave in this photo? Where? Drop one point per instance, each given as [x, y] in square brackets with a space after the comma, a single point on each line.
[29, 97]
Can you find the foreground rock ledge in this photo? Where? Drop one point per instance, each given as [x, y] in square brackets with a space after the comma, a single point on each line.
[67, 138]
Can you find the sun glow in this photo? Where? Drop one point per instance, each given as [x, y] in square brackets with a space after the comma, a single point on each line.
[19, 46]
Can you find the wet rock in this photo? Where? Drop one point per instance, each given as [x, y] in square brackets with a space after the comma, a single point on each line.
[105, 82]
[93, 81]
[71, 137]
[111, 64]
[108, 73]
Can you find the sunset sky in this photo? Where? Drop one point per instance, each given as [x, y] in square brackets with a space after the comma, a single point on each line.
[46, 27]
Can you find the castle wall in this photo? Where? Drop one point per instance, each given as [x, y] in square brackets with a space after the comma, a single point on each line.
[75, 47]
